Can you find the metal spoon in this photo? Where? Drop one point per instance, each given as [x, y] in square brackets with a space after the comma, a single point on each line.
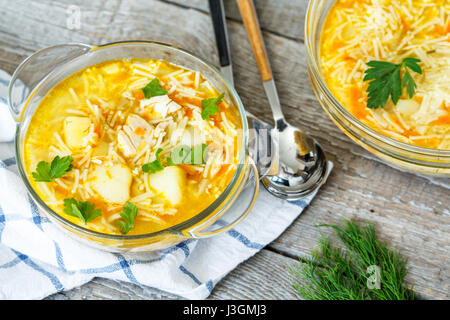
[302, 162]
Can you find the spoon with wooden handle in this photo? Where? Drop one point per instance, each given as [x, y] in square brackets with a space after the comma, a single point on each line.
[302, 162]
[261, 148]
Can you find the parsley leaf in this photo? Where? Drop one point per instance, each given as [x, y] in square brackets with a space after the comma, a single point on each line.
[186, 155]
[154, 166]
[85, 211]
[153, 89]
[46, 172]
[128, 213]
[209, 106]
[412, 63]
[409, 83]
[385, 80]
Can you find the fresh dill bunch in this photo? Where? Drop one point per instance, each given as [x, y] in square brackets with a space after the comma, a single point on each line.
[332, 273]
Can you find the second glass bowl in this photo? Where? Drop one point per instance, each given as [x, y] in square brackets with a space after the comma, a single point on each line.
[399, 154]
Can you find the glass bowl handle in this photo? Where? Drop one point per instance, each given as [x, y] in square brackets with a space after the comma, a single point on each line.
[238, 210]
[35, 68]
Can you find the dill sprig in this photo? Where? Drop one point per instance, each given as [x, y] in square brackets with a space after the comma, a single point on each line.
[332, 273]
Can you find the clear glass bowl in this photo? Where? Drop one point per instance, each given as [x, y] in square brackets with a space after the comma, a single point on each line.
[399, 154]
[40, 72]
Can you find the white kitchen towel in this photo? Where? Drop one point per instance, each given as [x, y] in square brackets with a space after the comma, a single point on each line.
[37, 259]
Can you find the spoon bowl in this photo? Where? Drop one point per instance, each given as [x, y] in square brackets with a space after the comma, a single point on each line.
[302, 164]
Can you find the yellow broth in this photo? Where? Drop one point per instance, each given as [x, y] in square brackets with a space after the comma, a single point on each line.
[358, 31]
[100, 117]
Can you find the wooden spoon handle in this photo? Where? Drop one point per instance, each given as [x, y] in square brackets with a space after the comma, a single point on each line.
[251, 23]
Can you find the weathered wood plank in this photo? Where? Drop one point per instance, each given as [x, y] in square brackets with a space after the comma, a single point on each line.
[265, 276]
[281, 17]
[411, 212]
[105, 289]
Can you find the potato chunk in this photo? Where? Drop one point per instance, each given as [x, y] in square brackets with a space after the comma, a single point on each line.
[170, 183]
[75, 130]
[112, 68]
[112, 182]
[407, 107]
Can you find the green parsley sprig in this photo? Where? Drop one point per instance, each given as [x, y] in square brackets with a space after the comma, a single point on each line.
[155, 165]
[128, 213]
[46, 172]
[85, 211]
[209, 106]
[386, 80]
[153, 89]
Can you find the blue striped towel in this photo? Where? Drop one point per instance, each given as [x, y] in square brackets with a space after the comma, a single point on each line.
[37, 259]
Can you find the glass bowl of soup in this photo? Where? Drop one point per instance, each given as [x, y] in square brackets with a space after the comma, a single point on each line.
[132, 146]
[342, 36]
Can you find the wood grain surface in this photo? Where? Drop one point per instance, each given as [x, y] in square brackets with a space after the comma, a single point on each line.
[411, 212]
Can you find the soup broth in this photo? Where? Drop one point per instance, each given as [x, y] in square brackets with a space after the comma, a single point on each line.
[123, 123]
[359, 31]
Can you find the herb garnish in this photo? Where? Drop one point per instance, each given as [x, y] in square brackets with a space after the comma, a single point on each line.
[46, 172]
[154, 166]
[335, 274]
[209, 106]
[153, 89]
[386, 80]
[186, 155]
[128, 213]
[85, 211]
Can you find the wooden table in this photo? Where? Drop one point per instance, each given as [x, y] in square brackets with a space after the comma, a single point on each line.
[410, 212]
